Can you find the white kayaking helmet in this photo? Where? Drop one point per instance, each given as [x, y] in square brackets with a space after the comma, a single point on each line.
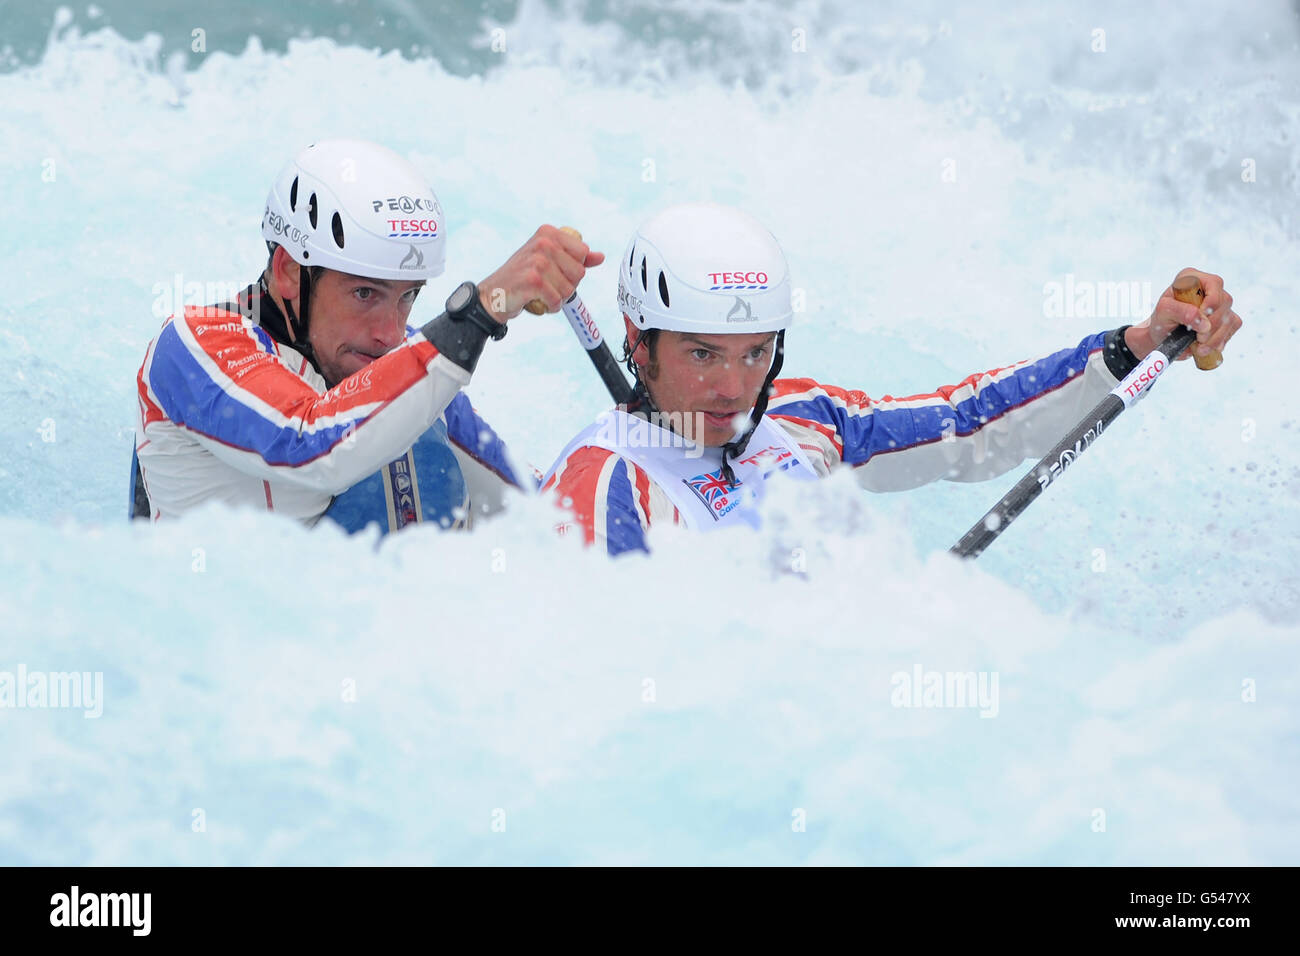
[702, 267]
[709, 269]
[354, 207]
[357, 207]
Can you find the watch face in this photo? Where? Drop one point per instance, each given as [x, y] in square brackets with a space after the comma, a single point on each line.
[460, 297]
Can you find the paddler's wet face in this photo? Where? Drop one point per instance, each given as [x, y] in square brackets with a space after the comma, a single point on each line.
[353, 320]
[707, 379]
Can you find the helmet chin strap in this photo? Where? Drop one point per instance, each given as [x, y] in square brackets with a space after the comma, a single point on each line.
[298, 322]
[736, 447]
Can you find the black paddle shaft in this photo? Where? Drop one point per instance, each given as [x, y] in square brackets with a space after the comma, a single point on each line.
[611, 373]
[1052, 465]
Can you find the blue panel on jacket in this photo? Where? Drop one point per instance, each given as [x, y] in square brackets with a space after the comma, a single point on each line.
[425, 484]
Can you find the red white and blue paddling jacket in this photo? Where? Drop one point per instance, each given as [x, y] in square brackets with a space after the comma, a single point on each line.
[229, 413]
[976, 429]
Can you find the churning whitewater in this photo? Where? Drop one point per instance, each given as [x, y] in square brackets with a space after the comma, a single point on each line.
[1113, 682]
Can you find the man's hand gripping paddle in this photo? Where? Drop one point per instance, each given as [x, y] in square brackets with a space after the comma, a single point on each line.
[1080, 438]
[588, 333]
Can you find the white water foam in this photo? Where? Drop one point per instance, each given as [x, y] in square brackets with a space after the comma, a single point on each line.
[523, 690]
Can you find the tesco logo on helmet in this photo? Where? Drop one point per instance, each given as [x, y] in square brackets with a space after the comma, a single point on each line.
[409, 227]
[722, 279]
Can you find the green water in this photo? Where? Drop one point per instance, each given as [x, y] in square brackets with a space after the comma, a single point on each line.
[446, 30]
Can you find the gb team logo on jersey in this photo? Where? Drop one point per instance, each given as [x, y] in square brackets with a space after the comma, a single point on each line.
[715, 491]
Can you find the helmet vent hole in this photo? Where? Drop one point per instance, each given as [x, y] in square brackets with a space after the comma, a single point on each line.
[311, 210]
[663, 289]
[293, 195]
[337, 225]
[644, 284]
[631, 258]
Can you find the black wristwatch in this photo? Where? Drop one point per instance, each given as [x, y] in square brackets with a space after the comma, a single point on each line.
[464, 305]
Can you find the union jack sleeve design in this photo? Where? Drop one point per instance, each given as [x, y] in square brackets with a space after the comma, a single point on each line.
[611, 499]
[979, 428]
